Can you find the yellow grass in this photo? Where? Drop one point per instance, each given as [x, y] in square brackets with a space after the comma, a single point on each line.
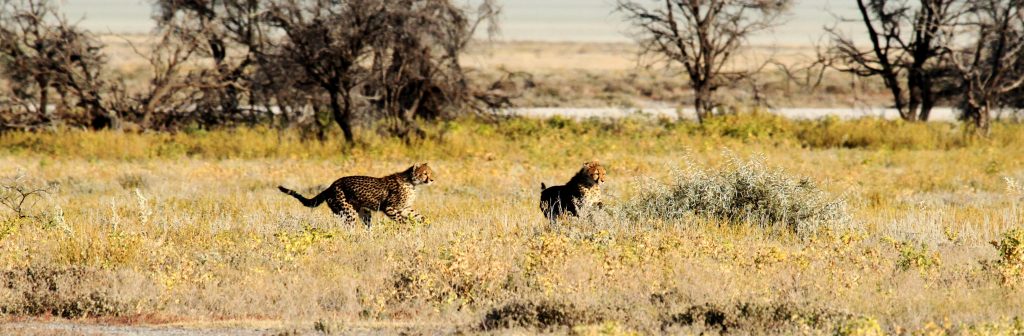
[189, 230]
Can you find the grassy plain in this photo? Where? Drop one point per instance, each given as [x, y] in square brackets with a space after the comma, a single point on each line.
[189, 230]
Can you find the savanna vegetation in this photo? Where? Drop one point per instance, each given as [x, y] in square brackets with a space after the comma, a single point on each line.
[138, 175]
[742, 224]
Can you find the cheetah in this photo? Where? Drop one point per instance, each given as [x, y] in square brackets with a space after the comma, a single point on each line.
[362, 195]
[583, 190]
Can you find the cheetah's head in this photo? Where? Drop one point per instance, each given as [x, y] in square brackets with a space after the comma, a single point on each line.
[421, 174]
[594, 171]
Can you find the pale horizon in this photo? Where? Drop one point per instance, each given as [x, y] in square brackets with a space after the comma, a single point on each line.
[522, 20]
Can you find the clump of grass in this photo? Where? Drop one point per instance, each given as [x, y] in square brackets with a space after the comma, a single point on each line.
[749, 126]
[1014, 188]
[132, 181]
[744, 192]
[831, 132]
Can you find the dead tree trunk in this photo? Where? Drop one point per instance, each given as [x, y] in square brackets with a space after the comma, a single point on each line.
[701, 36]
[342, 113]
[702, 102]
[44, 99]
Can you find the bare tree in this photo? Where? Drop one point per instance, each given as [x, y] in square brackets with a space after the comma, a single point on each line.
[990, 64]
[19, 195]
[167, 101]
[40, 53]
[329, 42]
[906, 49]
[400, 56]
[702, 36]
[807, 72]
[416, 69]
[216, 29]
[211, 55]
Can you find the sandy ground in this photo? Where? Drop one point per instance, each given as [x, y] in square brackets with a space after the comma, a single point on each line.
[74, 328]
[66, 327]
[519, 56]
[555, 56]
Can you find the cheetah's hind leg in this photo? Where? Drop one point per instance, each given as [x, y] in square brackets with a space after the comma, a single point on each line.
[343, 209]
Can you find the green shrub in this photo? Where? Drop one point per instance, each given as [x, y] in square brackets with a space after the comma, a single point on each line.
[1010, 265]
[743, 192]
[916, 256]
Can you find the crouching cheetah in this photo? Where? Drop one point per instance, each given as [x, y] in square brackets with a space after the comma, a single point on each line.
[583, 190]
[362, 195]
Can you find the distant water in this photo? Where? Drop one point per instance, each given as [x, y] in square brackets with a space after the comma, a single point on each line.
[533, 20]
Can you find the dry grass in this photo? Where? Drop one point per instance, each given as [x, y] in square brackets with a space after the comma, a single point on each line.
[189, 229]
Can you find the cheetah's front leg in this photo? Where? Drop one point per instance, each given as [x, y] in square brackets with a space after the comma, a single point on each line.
[402, 215]
[366, 215]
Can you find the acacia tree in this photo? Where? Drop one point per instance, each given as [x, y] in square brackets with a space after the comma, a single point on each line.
[702, 36]
[906, 50]
[989, 66]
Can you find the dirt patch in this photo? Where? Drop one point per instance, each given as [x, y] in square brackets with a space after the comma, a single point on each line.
[72, 328]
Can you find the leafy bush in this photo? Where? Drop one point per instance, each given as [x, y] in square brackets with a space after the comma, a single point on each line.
[916, 256]
[743, 192]
[1010, 265]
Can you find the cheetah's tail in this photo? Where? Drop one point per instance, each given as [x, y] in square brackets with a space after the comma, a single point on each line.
[309, 202]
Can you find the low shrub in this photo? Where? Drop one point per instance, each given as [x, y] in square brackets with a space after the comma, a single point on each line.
[770, 318]
[746, 191]
[1010, 265]
[916, 256]
[536, 316]
[67, 292]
